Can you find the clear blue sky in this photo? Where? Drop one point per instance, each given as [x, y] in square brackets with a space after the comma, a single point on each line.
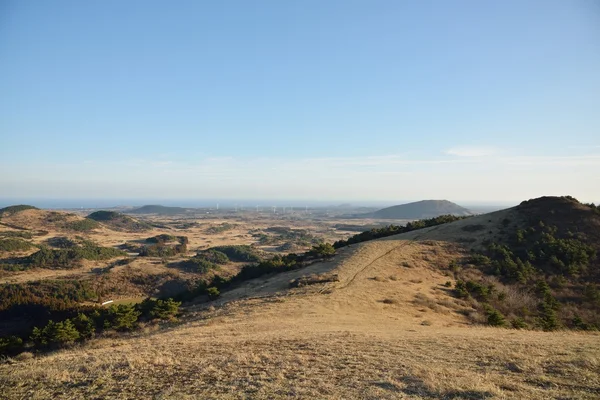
[465, 100]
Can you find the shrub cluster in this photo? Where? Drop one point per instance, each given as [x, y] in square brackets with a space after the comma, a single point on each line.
[14, 244]
[17, 234]
[85, 325]
[162, 249]
[162, 238]
[377, 233]
[239, 253]
[276, 264]
[279, 234]
[551, 264]
[220, 228]
[70, 257]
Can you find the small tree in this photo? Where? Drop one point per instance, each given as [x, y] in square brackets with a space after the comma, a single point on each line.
[165, 309]
[323, 250]
[494, 317]
[122, 317]
[55, 333]
[548, 319]
[85, 326]
[64, 333]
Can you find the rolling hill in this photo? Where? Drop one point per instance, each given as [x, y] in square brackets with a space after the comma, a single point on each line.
[118, 221]
[158, 209]
[15, 209]
[382, 319]
[419, 210]
[33, 219]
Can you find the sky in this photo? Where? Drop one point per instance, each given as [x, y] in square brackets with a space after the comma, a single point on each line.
[479, 101]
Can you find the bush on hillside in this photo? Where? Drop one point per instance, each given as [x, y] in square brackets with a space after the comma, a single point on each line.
[164, 309]
[377, 233]
[55, 334]
[71, 257]
[11, 244]
[323, 250]
[122, 317]
[213, 292]
[162, 238]
[161, 250]
[239, 253]
[17, 234]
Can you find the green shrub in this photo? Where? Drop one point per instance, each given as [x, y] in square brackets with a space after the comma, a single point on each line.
[17, 234]
[323, 250]
[161, 250]
[213, 292]
[214, 256]
[548, 319]
[85, 326]
[494, 317]
[62, 242]
[55, 333]
[70, 258]
[162, 238]
[460, 289]
[12, 244]
[198, 264]
[122, 317]
[519, 323]
[578, 323]
[377, 233]
[165, 309]
[239, 253]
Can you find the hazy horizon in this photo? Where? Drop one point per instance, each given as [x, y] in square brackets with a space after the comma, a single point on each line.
[246, 204]
[487, 101]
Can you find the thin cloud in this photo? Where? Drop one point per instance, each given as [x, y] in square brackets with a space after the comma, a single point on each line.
[471, 151]
[584, 147]
[587, 160]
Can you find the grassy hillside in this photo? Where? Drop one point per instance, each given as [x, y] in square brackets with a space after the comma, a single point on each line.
[31, 218]
[119, 221]
[16, 209]
[421, 209]
[391, 318]
[384, 329]
[547, 258]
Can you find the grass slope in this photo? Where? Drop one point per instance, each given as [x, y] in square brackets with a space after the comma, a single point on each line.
[387, 327]
[119, 221]
[16, 209]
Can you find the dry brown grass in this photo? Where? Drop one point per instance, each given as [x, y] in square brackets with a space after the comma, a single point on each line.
[357, 338]
[241, 355]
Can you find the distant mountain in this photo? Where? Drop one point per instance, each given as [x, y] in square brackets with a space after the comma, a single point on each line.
[118, 221]
[157, 209]
[419, 210]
